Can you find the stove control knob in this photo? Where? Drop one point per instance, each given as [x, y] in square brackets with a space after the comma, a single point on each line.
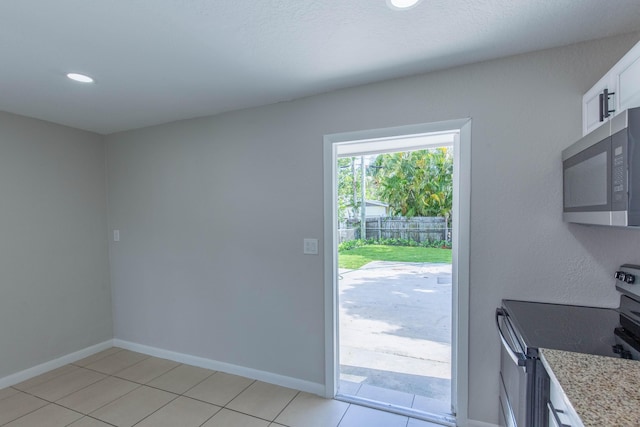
[617, 349]
[629, 278]
[620, 275]
[626, 354]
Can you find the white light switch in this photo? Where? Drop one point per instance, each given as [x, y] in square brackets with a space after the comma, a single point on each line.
[116, 235]
[311, 246]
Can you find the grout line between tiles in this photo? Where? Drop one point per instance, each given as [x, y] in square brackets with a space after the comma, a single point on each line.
[87, 414]
[195, 385]
[138, 422]
[213, 415]
[120, 370]
[157, 376]
[93, 418]
[50, 379]
[115, 374]
[243, 390]
[77, 412]
[285, 407]
[344, 414]
[48, 403]
[203, 401]
[12, 388]
[225, 405]
[62, 397]
[30, 412]
[249, 415]
[175, 367]
[131, 381]
[110, 354]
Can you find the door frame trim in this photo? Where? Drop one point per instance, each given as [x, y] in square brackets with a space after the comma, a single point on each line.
[460, 250]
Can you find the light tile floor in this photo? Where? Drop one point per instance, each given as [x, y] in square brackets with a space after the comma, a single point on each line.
[122, 388]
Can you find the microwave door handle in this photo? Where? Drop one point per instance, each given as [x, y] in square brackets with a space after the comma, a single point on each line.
[518, 358]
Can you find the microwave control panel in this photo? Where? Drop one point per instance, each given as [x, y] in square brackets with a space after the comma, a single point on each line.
[619, 171]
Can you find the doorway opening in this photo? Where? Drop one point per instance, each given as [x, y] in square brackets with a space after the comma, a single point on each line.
[394, 283]
[393, 335]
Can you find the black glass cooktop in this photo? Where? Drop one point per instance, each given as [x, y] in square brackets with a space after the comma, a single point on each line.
[563, 327]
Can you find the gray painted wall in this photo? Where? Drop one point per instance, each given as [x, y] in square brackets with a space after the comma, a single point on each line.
[197, 272]
[54, 282]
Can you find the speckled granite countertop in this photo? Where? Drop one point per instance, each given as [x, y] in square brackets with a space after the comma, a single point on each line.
[604, 391]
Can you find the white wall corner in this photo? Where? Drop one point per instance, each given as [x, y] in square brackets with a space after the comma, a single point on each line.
[201, 362]
[21, 376]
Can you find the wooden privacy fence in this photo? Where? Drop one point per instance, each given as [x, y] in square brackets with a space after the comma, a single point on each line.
[418, 229]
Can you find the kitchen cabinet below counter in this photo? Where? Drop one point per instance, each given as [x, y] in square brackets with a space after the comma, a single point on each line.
[603, 391]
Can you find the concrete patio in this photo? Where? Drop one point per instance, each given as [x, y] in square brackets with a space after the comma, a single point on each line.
[395, 334]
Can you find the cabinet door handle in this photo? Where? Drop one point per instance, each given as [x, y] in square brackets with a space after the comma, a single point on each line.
[605, 106]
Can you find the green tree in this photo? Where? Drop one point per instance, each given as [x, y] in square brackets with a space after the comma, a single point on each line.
[416, 183]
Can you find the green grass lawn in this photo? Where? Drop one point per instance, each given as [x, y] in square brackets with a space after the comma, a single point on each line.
[356, 258]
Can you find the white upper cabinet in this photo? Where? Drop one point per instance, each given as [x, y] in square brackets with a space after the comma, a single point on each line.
[593, 104]
[628, 80]
[618, 90]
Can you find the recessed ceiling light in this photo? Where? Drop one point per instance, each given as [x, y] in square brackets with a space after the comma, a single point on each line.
[402, 4]
[80, 78]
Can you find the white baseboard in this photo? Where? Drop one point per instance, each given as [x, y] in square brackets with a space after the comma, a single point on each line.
[21, 376]
[268, 377]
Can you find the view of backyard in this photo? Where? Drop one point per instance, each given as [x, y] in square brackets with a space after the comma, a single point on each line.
[395, 281]
[395, 333]
[357, 257]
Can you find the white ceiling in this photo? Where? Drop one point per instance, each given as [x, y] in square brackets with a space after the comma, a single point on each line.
[156, 61]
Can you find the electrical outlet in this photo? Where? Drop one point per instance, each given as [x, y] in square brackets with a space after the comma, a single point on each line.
[310, 247]
[116, 235]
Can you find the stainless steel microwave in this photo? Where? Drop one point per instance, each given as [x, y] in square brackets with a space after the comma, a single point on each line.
[601, 174]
